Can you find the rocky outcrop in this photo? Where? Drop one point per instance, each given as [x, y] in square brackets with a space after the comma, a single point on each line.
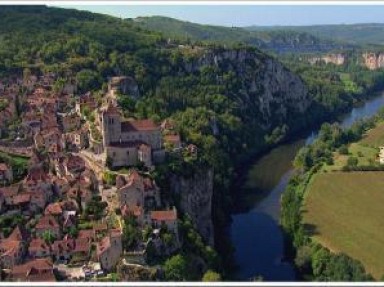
[195, 199]
[336, 59]
[124, 85]
[373, 61]
[268, 91]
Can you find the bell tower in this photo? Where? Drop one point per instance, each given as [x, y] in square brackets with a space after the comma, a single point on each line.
[111, 125]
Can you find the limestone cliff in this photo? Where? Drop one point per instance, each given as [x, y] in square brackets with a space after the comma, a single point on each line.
[373, 61]
[268, 91]
[195, 199]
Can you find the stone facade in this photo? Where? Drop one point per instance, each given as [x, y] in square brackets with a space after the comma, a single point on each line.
[126, 143]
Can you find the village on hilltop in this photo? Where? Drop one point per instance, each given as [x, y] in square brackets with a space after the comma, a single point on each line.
[61, 219]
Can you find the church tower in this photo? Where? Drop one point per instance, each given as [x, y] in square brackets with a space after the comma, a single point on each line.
[111, 125]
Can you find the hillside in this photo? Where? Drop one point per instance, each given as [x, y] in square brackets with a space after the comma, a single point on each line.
[277, 41]
[230, 101]
[358, 34]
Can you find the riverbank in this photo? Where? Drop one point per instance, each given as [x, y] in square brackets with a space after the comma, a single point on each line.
[356, 197]
[262, 215]
[315, 261]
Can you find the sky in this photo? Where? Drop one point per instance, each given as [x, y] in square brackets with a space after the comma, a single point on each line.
[240, 15]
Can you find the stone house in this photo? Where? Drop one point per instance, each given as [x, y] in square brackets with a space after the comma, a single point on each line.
[126, 143]
[109, 250]
[138, 191]
[166, 218]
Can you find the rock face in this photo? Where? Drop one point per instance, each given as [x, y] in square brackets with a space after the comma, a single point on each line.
[373, 61]
[124, 85]
[336, 59]
[268, 91]
[195, 199]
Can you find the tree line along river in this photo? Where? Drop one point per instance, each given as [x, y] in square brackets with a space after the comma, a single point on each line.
[255, 233]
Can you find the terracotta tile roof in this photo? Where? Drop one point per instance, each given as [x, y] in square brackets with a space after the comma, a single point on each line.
[134, 210]
[82, 245]
[9, 247]
[3, 167]
[19, 233]
[47, 222]
[37, 245]
[63, 246]
[164, 215]
[37, 270]
[22, 198]
[53, 209]
[88, 234]
[139, 125]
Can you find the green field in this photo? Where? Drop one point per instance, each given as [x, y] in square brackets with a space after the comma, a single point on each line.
[344, 212]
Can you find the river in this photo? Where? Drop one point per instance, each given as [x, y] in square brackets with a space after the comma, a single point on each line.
[255, 233]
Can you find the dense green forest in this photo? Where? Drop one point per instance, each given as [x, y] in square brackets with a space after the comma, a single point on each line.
[360, 34]
[207, 103]
[275, 40]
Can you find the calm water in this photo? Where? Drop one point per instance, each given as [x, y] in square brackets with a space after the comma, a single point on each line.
[256, 234]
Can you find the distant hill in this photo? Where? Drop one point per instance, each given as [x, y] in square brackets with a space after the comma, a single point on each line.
[360, 34]
[276, 40]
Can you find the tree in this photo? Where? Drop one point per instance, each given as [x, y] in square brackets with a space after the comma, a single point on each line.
[303, 258]
[176, 268]
[352, 161]
[343, 150]
[87, 80]
[211, 276]
[48, 237]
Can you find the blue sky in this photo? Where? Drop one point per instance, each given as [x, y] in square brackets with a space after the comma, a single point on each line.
[240, 15]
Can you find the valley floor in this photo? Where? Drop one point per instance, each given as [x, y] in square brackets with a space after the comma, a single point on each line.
[344, 210]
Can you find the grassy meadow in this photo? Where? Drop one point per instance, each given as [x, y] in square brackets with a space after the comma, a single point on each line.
[344, 210]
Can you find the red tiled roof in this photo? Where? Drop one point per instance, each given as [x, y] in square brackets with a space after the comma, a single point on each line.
[53, 209]
[164, 215]
[131, 210]
[47, 221]
[3, 167]
[22, 198]
[139, 125]
[36, 270]
[19, 233]
[9, 247]
[82, 245]
[38, 245]
[63, 246]
[88, 234]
